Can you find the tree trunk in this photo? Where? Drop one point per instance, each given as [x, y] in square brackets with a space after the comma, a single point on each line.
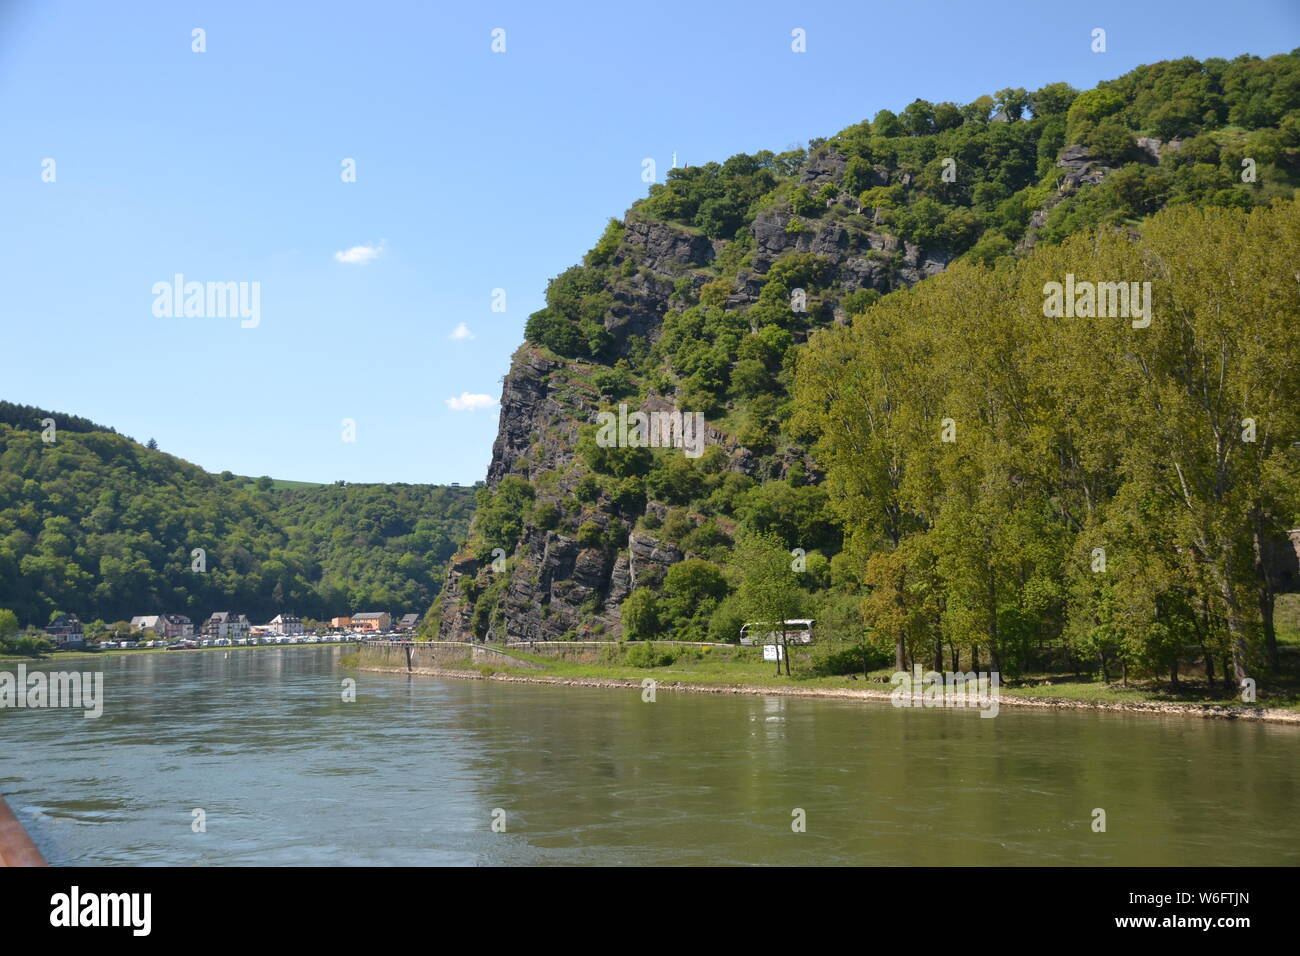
[1264, 587]
[995, 661]
[900, 664]
[1266, 598]
[1236, 632]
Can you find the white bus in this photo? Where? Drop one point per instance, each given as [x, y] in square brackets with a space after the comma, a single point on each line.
[794, 631]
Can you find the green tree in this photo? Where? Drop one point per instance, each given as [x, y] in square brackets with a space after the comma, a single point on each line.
[768, 590]
[640, 616]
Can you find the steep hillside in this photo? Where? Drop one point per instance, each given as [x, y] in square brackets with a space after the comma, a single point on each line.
[705, 295]
[101, 526]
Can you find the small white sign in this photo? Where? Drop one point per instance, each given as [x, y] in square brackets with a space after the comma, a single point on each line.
[773, 652]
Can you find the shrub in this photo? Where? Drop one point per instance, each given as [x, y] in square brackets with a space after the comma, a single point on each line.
[607, 245]
[802, 203]
[546, 516]
[499, 521]
[726, 621]
[851, 660]
[587, 489]
[628, 495]
[647, 655]
[590, 535]
[612, 383]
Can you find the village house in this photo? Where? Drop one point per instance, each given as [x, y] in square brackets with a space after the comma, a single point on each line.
[177, 627]
[226, 624]
[148, 622]
[372, 621]
[409, 622]
[286, 625]
[66, 631]
[341, 623]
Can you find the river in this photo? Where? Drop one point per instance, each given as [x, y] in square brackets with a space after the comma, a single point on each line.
[416, 769]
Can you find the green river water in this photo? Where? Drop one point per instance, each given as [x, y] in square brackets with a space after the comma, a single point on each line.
[416, 769]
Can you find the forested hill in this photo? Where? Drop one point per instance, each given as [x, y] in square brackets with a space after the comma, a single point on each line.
[96, 524]
[30, 418]
[712, 292]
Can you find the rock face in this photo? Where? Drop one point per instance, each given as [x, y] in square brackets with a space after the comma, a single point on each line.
[649, 559]
[663, 249]
[1081, 169]
[864, 258]
[822, 167]
[528, 408]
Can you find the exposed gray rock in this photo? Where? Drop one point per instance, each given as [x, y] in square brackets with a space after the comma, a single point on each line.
[770, 237]
[553, 579]
[921, 263]
[1150, 146]
[866, 272]
[823, 237]
[646, 554]
[454, 624]
[1080, 170]
[822, 167]
[664, 249]
[639, 306]
[746, 290]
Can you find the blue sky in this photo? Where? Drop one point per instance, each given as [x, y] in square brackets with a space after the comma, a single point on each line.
[475, 171]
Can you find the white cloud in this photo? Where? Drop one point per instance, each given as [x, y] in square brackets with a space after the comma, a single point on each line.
[461, 332]
[358, 255]
[468, 402]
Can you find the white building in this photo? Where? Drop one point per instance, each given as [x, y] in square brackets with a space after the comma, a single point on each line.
[149, 622]
[286, 625]
[226, 624]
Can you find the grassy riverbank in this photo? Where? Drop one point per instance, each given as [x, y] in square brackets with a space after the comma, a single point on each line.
[741, 671]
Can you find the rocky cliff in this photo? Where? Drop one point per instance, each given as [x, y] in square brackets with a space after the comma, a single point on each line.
[555, 586]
